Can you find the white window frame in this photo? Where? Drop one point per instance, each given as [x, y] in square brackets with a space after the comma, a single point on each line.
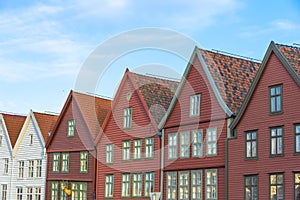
[197, 143]
[195, 105]
[137, 151]
[149, 147]
[4, 191]
[29, 193]
[171, 186]
[127, 118]
[149, 183]
[172, 146]
[211, 184]
[196, 184]
[184, 144]
[212, 141]
[19, 193]
[126, 150]
[109, 153]
[109, 186]
[21, 166]
[38, 193]
[31, 139]
[5, 166]
[183, 185]
[38, 171]
[137, 184]
[126, 185]
[1, 138]
[30, 168]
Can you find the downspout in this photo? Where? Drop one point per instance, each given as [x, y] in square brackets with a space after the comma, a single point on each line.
[162, 160]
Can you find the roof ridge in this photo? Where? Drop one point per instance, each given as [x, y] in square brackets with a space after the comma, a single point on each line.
[156, 76]
[290, 46]
[46, 113]
[13, 114]
[90, 94]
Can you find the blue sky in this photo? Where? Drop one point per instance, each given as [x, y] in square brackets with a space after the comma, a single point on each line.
[43, 44]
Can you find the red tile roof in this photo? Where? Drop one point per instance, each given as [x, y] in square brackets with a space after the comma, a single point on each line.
[14, 124]
[46, 123]
[292, 54]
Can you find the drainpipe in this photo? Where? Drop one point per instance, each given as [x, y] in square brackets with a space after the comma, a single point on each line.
[162, 162]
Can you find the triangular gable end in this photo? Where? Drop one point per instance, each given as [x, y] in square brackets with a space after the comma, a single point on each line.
[5, 134]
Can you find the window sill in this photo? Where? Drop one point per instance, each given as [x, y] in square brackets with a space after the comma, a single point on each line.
[276, 113]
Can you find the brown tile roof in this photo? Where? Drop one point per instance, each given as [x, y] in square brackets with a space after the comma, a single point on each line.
[232, 76]
[292, 54]
[14, 124]
[46, 123]
[156, 92]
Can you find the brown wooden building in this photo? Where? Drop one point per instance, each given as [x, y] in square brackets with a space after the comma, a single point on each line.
[129, 147]
[263, 153]
[70, 148]
[195, 128]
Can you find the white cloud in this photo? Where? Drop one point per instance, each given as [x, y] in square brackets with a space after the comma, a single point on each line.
[284, 25]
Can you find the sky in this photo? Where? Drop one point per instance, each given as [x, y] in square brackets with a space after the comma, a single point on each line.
[44, 45]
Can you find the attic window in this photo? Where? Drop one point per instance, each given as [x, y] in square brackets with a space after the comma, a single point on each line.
[1, 140]
[195, 105]
[71, 127]
[31, 139]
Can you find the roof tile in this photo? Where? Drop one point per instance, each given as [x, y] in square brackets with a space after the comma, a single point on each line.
[292, 54]
[46, 123]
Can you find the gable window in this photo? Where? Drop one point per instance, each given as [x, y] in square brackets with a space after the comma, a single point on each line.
[251, 187]
[137, 185]
[30, 168]
[297, 138]
[38, 193]
[297, 185]
[171, 185]
[137, 149]
[38, 172]
[84, 161]
[276, 141]
[197, 143]
[172, 146]
[4, 192]
[149, 183]
[29, 193]
[5, 165]
[126, 150]
[56, 162]
[65, 162]
[1, 137]
[196, 184]
[251, 144]
[276, 99]
[195, 105]
[71, 127]
[21, 169]
[30, 139]
[109, 186]
[19, 193]
[127, 118]
[54, 190]
[276, 186]
[184, 145]
[211, 138]
[109, 153]
[149, 147]
[211, 176]
[126, 185]
[183, 185]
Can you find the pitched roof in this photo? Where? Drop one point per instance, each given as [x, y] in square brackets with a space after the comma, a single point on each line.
[45, 122]
[292, 54]
[14, 124]
[156, 92]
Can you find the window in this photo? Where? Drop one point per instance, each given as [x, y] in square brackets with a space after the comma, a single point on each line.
[63, 195]
[5, 165]
[137, 185]
[65, 162]
[196, 184]
[71, 127]
[30, 168]
[30, 139]
[1, 137]
[137, 149]
[276, 186]
[184, 145]
[84, 161]
[251, 187]
[149, 147]
[172, 146]
[56, 161]
[4, 192]
[149, 183]
[197, 137]
[75, 191]
[171, 185]
[126, 150]
[126, 185]
[38, 193]
[276, 141]
[19, 193]
[195, 105]
[211, 177]
[297, 138]
[211, 141]
[38, 172]
[109, 186]
[276, 99]
[79, 191]
[127, 118]
[109, 153]
[183, 185]
[29, 193]
[21, 169]
[297, 185]
[251, 144]
[54, 190]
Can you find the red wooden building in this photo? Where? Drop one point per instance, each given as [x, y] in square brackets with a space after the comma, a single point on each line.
[263, 153]
[129, 147]
[195, 128]
[70, 148]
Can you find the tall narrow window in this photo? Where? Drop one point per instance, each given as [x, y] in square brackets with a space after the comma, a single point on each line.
[127, 118]
[276, 186]
[297, 138]
[276, 98]
[71, 127]
[63, 194]
[21, 165]
[29, 193]
[38, 193]
[65, 162]
[19, 193]
[137, 149]
[56, 161]
[251, 187]
[211, 176]
[126, 150]
[171, 185]
[30, 139]
[197, 140]
[149, 147]
[54, 190]
[4, 192]
[75, 191]
[83, 191]
[109, 186]
[1, 137]
[5, 165]
[30, 168]
[297, 185]
[137, 185]
[196, 184]
[251, 144]
[211, 138]
[276, 141]
[149, 183]
[84, 162]
[183, 185]
[126, 185]
[38, 171]
[109, 153]
[184, 145]
[195, 105]
[172, 146]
